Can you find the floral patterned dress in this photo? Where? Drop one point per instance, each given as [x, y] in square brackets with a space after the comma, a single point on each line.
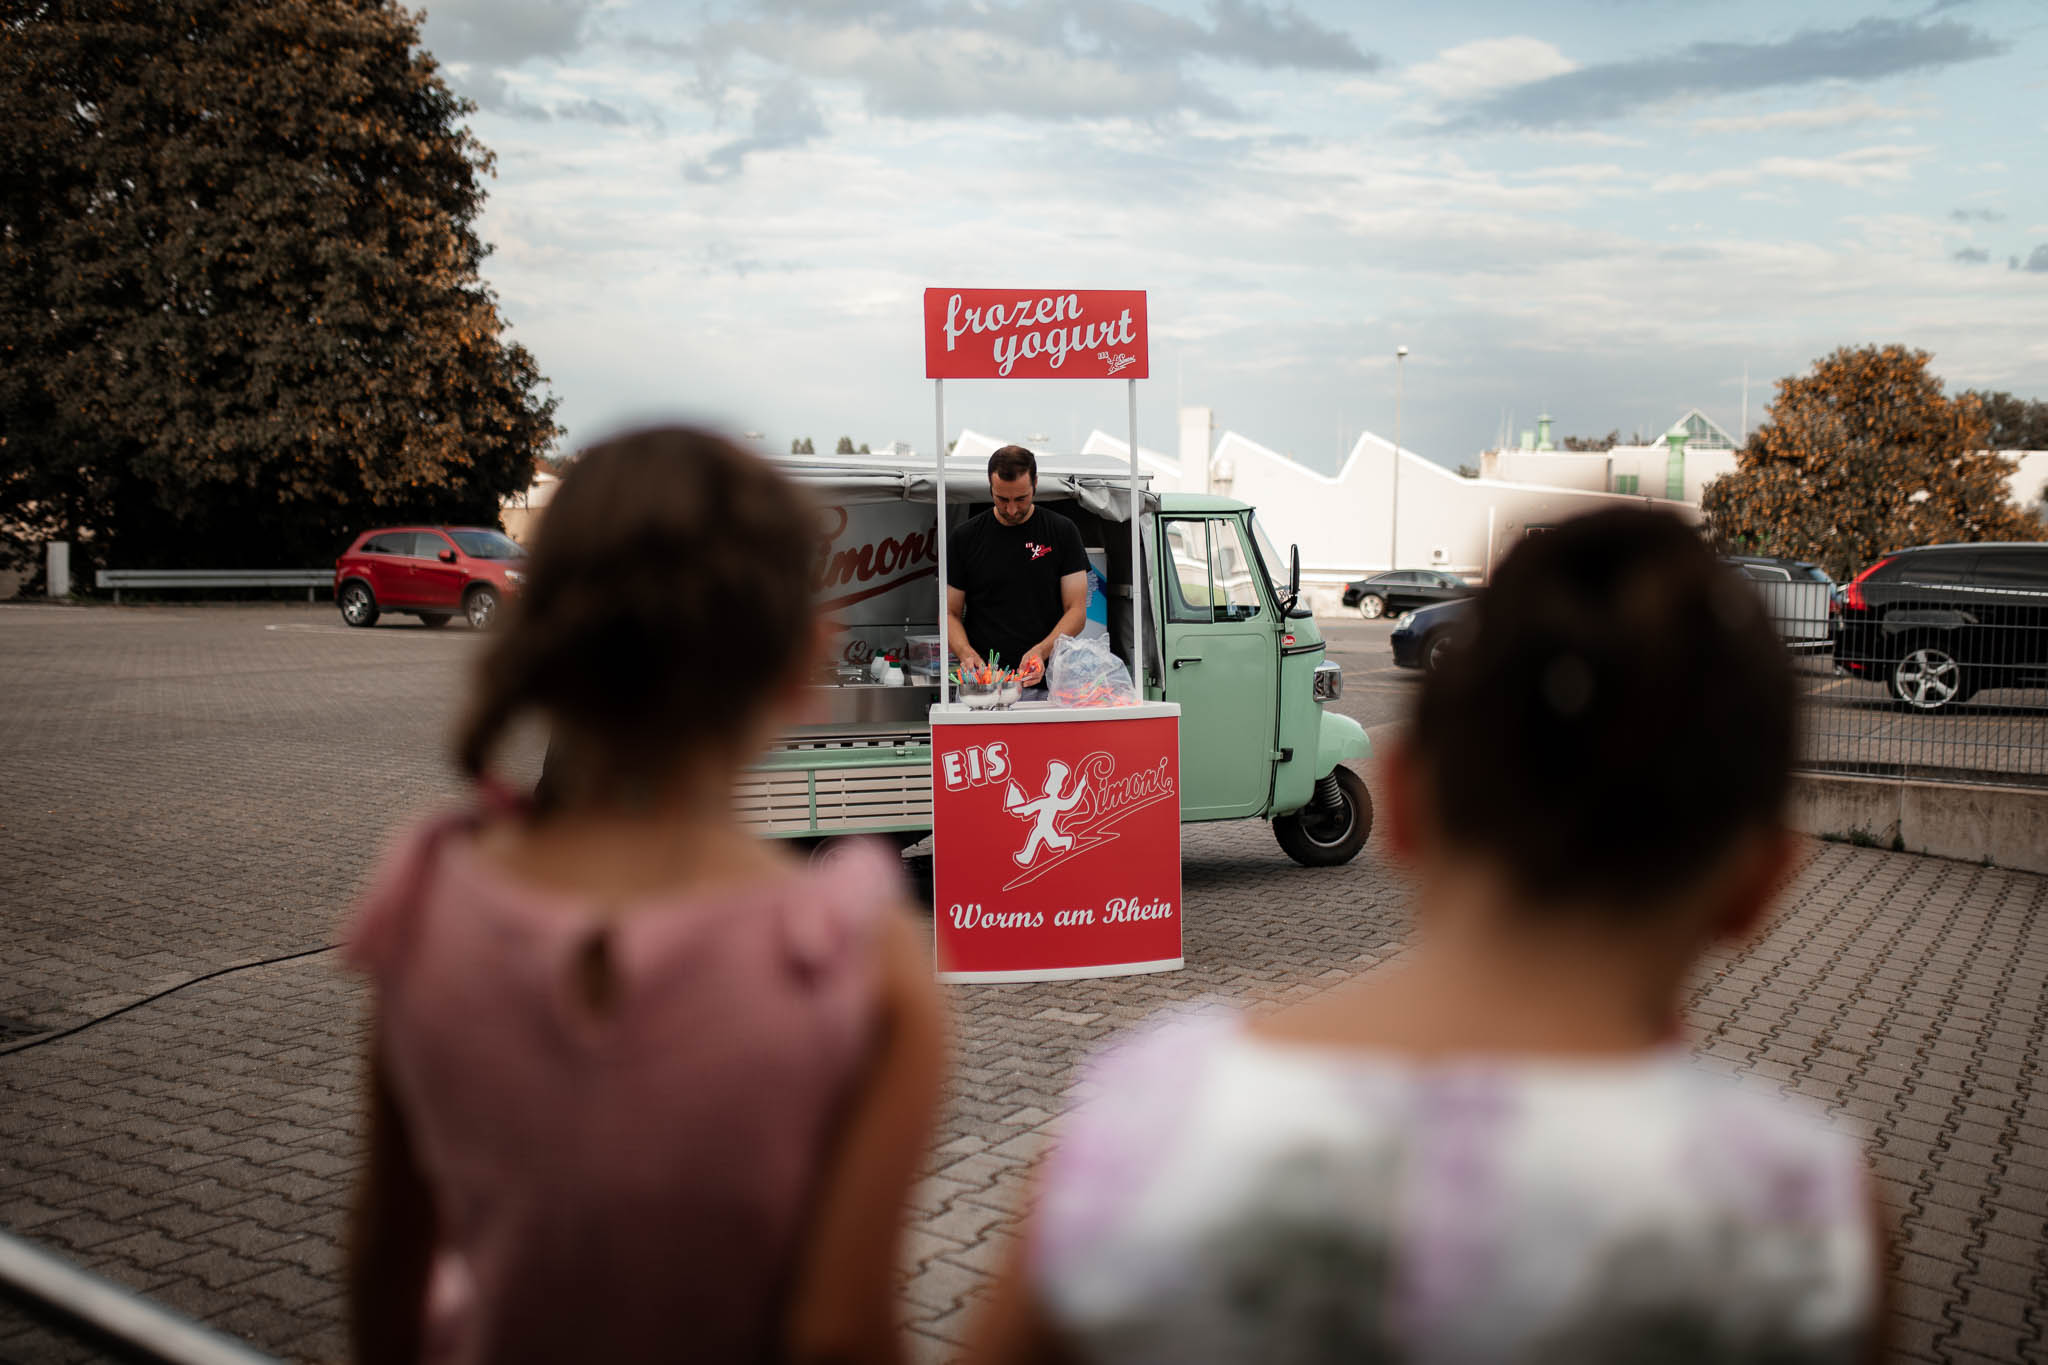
[1218, 1197]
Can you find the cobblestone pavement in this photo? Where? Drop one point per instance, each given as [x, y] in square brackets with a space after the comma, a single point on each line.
[198, 791]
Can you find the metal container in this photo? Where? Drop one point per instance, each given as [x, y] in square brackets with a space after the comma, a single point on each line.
[876, 704]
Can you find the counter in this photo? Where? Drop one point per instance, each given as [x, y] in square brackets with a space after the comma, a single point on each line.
[1055, 841]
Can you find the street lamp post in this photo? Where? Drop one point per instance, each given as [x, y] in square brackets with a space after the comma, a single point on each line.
[1394, 510]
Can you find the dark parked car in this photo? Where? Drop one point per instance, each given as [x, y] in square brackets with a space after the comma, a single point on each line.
[1424, 637]
[1403, 590]
[1800, 597]
[1940, 623]
[433, 572]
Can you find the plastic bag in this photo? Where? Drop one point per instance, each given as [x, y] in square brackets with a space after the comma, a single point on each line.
[1085, 672]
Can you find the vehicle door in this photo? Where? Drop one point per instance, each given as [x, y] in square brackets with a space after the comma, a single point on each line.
[2013, 595]
[1436, 588]
[383, 561]
[1774, 586]
[1221, 657]
[1405, 591]
[438, 573]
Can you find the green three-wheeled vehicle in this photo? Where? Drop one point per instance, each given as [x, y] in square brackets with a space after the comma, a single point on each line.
[1224, 636]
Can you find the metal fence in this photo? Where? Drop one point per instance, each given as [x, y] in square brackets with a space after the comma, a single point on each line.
[1929, 698]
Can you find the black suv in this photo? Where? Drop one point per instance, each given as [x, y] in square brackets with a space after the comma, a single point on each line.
[1941, 623]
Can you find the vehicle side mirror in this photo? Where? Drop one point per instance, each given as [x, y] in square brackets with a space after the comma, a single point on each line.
[1293, 580]
[447, 556]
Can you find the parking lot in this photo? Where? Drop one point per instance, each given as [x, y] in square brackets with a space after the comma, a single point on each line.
[195, 793]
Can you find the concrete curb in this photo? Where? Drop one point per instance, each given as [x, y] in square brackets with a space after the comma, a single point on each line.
[2002, 826]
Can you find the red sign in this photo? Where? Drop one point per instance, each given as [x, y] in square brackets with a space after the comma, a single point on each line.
[1035, 334]
[1056, 843]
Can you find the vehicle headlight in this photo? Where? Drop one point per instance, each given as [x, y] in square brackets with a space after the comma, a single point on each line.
[1404, 620]
[514, 576]
[1329, 681]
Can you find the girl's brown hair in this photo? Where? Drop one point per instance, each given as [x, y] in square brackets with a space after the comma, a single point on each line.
[668, 599]
[1619, 712]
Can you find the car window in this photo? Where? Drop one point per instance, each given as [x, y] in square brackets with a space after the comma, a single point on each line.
[1215, 576]
[1237, 569]
[2014, 568]
[1937, 567]
[1189, 591]
[487, 545]
[427, 545]
[386, 545]
[1811, 573]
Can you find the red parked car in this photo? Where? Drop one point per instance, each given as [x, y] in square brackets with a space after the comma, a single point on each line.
[433, 572]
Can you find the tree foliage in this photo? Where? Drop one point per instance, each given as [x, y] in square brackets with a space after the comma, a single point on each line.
[1861, 455]
[802, 446]
[2016, 423]
[1607, 442]
[239, 287]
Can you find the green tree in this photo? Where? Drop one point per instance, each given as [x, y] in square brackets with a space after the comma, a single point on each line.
[802, 446]
[845, 446]
[1861, 455]
[1607, 442]
[239, 288]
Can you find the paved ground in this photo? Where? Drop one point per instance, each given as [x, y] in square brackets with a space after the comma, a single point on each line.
[198, 791]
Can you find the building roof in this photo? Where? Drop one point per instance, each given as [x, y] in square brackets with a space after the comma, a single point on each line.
[1703, 432]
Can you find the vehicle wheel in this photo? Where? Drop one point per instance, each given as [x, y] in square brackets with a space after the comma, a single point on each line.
[434, 620]
[1435, 650]
[1372, 606]
[1333, 826]
[1929, 679]
[358, 604]
[481, 607]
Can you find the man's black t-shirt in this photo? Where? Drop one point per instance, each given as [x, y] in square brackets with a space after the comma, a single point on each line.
[1011, 575]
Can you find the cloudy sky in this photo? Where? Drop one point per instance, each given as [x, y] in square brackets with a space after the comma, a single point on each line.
[727, 209]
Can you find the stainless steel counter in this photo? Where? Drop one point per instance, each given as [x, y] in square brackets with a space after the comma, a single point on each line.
[873, 704]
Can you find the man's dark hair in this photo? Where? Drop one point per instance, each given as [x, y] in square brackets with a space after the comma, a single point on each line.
[1013, 462]
[1617, 715]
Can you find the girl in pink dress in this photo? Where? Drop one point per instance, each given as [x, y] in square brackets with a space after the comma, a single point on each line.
[643, 1087]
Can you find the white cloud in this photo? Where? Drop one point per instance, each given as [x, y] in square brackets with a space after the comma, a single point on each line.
[1491, 64]
[1852, 170]
[1806, 120]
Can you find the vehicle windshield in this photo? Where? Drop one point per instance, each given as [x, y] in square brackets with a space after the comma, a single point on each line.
[488, 545]
[1269, 558]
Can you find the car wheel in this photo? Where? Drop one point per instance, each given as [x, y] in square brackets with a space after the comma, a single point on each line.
[1435, 650]
[1333, 826]
[481, 607]
[1372, 606]
[358, 604]
[1928, 679]
[434, 620]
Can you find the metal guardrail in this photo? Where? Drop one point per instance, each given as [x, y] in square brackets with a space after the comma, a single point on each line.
[1941, 700]
[122, 1322]
[309, 579]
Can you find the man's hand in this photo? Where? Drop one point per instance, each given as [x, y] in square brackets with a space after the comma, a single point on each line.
[968, 661]
[1032, 670]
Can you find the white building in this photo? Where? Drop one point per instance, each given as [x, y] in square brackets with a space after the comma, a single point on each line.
[1341, 521]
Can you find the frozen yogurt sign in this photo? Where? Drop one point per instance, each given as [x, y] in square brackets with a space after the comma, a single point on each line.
[1035, 334]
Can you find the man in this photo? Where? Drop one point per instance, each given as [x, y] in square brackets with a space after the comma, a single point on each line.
[1016, 575]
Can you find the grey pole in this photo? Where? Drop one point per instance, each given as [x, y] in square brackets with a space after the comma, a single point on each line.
[1137, 557]
[1394, 513]
[945, 635]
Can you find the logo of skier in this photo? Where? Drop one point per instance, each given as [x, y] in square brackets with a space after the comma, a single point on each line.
[1038, 551]
[1041, 813]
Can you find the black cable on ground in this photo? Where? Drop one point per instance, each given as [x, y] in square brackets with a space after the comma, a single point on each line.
[168, 990]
